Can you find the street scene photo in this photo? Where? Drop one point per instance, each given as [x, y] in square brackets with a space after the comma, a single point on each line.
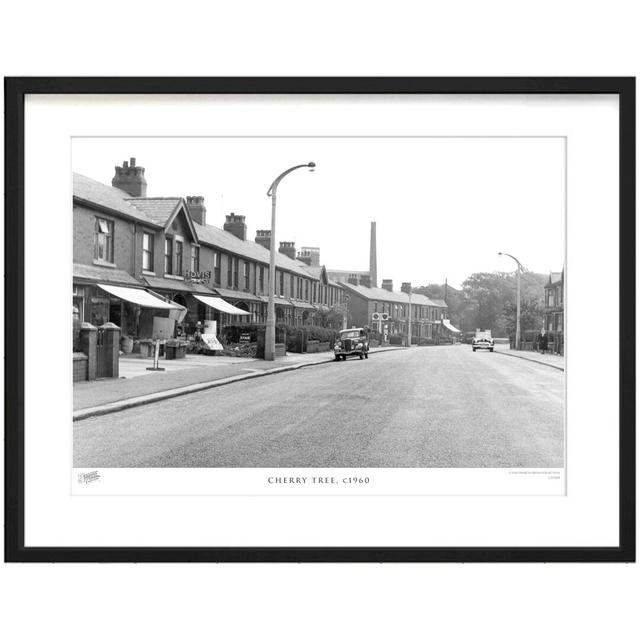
[319, 302]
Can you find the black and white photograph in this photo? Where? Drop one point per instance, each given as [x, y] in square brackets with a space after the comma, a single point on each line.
[319, 302]
[318, 324]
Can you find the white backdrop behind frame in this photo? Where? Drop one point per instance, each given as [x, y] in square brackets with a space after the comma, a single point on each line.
[586, 516]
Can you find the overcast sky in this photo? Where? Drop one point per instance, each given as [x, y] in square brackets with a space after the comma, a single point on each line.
[444, 207]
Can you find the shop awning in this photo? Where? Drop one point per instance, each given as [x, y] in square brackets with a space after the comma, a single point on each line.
[221, 305]
[302, 305]
[139, 296]
[449, 326]
[283, 302]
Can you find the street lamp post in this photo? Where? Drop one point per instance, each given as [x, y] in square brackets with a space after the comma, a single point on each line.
[270, 333]
[409, 329]
[518, 270]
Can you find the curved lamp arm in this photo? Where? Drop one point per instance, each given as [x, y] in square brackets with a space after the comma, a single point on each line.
[501, 253]
[274, 185]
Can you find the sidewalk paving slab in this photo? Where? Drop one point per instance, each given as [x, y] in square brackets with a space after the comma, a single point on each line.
[100, 397]
[548, 359]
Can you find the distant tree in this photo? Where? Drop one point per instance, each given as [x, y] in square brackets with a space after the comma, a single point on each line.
[491, 301]
[486, 294]
[454, 298]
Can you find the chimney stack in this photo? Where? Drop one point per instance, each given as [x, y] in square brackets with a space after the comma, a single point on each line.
[365, 281]
[406, 287]
[373, 257]
[353, 280]
[197, 210]
[387, 285]
[130, 178]
[288, 249]
[235, 224]
[263, 238]
[310, 256]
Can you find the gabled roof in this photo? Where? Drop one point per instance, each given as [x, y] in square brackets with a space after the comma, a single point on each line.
[97, 195]
[163, 211]
[554, 277]
[319, 273]
[375, 293]
[226, 241]
[160, 210]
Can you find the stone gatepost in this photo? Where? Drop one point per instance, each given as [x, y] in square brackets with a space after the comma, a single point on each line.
[88, 338]
[111, 341]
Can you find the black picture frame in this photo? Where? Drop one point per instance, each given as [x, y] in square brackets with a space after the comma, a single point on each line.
[15, 91]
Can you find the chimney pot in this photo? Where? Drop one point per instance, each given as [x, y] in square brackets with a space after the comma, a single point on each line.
[263, 238]
[131, 179]
[197, 210]
[235, 224]
[288, 249]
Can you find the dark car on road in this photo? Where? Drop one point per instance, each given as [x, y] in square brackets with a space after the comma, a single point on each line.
[352, 342]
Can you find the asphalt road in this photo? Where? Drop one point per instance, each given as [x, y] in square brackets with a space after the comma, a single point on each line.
[421, 407]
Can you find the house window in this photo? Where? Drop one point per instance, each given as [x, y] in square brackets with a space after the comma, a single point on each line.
[235, 273]
[103, 240]
[195, 258]
[147, 252]
[246, 276]
[306, 290]
[168, 255]
[229, 272]
[178, 257]
[281, 283]
[261, 280]
[292, 291]
[216, 267]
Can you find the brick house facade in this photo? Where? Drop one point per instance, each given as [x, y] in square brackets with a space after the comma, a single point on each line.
[554, 302]
[164, 245]
[364, 301]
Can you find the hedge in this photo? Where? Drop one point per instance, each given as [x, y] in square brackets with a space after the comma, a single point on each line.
[231, 333]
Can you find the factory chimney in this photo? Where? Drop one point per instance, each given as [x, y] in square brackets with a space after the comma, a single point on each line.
[373, 257]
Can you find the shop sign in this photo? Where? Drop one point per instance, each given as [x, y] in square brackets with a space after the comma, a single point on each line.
[201, 277]
[211, 341]
[245, 337]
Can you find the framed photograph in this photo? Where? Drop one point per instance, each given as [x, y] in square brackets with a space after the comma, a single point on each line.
[320, 319]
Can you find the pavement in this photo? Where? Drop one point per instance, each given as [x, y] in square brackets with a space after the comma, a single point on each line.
[440, 406]
[548, 359]
[137, 385]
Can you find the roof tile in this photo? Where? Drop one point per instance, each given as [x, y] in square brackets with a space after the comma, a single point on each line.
[89, 191]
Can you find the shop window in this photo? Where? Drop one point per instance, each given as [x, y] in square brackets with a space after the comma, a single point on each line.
[147, 251]
[195, 258]
[103, 240]
[168, 256]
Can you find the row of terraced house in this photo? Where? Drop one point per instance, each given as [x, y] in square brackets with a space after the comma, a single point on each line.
[139, 258]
